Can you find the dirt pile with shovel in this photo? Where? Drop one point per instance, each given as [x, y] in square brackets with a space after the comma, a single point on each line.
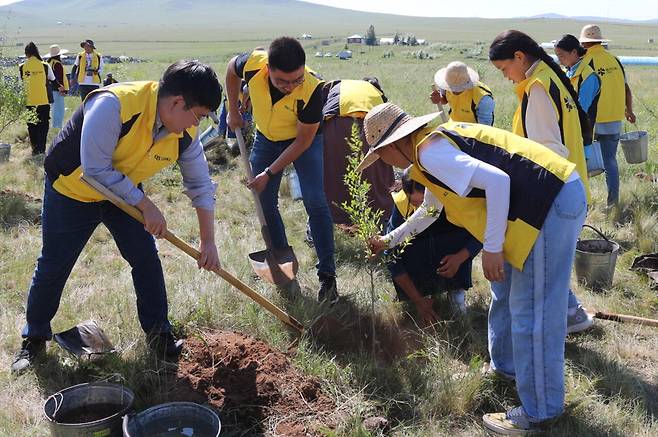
[255, 388]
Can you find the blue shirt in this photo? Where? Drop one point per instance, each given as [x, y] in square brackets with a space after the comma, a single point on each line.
[485, 110]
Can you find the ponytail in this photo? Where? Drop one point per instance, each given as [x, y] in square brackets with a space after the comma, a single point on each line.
[507, 43]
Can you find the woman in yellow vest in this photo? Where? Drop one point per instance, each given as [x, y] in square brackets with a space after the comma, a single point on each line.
[87, 69]
[470, 100]
[346, 103]
[55, 62]
[549, 113]
[120, 137]
[37, 76]
[526, 205]
[615, 103]
[438, 259]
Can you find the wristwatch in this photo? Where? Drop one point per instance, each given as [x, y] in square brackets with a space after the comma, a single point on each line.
[269, 172]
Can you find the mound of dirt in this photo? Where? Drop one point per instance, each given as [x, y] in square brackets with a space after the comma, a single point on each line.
[255, 388]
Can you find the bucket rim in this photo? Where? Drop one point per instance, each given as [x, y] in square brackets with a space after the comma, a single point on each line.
[120, 413]
[615, 246]
[154, 408]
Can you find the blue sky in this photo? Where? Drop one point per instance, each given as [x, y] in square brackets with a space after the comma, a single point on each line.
[627, 9]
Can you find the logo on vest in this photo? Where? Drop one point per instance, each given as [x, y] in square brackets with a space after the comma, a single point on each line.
[161, 158]
[569, 104]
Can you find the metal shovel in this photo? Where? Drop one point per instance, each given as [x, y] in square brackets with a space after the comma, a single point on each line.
[276, 266]
[173, 239]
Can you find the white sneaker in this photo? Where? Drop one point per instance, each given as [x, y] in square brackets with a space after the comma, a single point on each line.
[457, 300]
[580, 321]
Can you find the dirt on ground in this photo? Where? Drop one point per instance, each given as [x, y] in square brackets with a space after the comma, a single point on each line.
[255, 388]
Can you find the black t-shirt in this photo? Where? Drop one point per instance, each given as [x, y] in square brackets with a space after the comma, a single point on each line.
[312, 112]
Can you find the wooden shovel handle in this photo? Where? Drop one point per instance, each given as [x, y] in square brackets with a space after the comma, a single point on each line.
[182, 245]
[623, 318]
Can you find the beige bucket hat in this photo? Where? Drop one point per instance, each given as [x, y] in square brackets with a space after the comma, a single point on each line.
[55, 50]
[591, 33]
[456, 77]
[385, 124]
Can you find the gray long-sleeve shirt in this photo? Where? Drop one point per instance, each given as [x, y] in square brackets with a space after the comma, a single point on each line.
[100, 134]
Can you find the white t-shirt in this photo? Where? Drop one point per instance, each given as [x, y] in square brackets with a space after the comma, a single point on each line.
[89, 80]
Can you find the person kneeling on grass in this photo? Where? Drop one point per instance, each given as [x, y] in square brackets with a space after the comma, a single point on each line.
[438, 257]
[527, 205]
[121, 136]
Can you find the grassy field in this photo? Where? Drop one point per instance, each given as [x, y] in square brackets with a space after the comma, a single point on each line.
[611, 376]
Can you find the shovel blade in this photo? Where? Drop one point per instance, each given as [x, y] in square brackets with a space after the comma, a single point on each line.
[276, 267]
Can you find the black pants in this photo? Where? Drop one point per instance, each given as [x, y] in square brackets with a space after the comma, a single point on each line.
[86, 89]
[39, 131]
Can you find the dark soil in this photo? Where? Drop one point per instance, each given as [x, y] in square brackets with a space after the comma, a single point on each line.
[255, 388]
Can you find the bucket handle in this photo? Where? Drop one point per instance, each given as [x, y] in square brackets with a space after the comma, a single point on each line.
[58, 403]
[597, 231]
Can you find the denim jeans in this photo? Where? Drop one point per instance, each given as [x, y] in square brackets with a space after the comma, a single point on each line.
[57, 110]
[609, 145]
[309, 170]
[528, 313]
[66, 226]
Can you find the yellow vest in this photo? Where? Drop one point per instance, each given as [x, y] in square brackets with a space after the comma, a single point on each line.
[612, 101]
[34, 74]
[536, 177]
[82, 66]
[463, 106]
[136, 155]
[277, 122]
[567, 116]
[65, 79]
[402, 203]
[357, 97]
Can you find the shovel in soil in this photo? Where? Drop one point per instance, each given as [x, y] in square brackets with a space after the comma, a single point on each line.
[276, 266]
[173, 239]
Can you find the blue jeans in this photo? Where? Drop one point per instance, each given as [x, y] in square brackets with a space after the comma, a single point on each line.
[223, 129]
[66, 226]
[609, 145]
[57, 110]
[309, 170]
[528, 313]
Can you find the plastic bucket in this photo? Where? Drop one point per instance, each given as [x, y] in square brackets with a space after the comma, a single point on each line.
[635, 145]
[595, 161]
[595, 261]
[173, 419]
[88, 410]
[5, 150]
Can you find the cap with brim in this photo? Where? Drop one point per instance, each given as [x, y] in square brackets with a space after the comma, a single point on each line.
[385, 124]
[591, 33]
[456, 77]
[55, 50]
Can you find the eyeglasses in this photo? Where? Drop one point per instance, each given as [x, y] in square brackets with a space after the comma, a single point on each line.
[288, 83]
[197, 118]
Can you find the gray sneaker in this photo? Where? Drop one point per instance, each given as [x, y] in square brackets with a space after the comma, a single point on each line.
[31, 350]
[513, 422]
[580, 321]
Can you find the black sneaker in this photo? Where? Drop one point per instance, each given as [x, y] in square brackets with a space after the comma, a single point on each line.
[164, 344]
[328, 290]
[30, 351]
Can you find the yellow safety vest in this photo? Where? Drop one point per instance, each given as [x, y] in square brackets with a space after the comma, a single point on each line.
[277, 122]
[612, 101]
[136, 155]
[65, 79]
[34, 74]
[536, 177]
[567, 116]
[357, 97]
[402, 203]
[95, 64]
[463, 106]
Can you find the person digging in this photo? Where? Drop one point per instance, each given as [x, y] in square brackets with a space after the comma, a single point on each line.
[121, 136]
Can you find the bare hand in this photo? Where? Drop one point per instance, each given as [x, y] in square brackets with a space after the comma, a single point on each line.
[426, 311]
[630, 116]
[154, 221]
[259, 182]
[437, 98]
[493, 266]
[377, 244]
[451, 263]
[209, 258]
[234, 120]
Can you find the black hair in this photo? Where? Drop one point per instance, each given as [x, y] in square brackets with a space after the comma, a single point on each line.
[372, 80]
[196, 82]
[570, 43]
[286, 54]
[507, 43]
[31, 49]
[406, 184]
